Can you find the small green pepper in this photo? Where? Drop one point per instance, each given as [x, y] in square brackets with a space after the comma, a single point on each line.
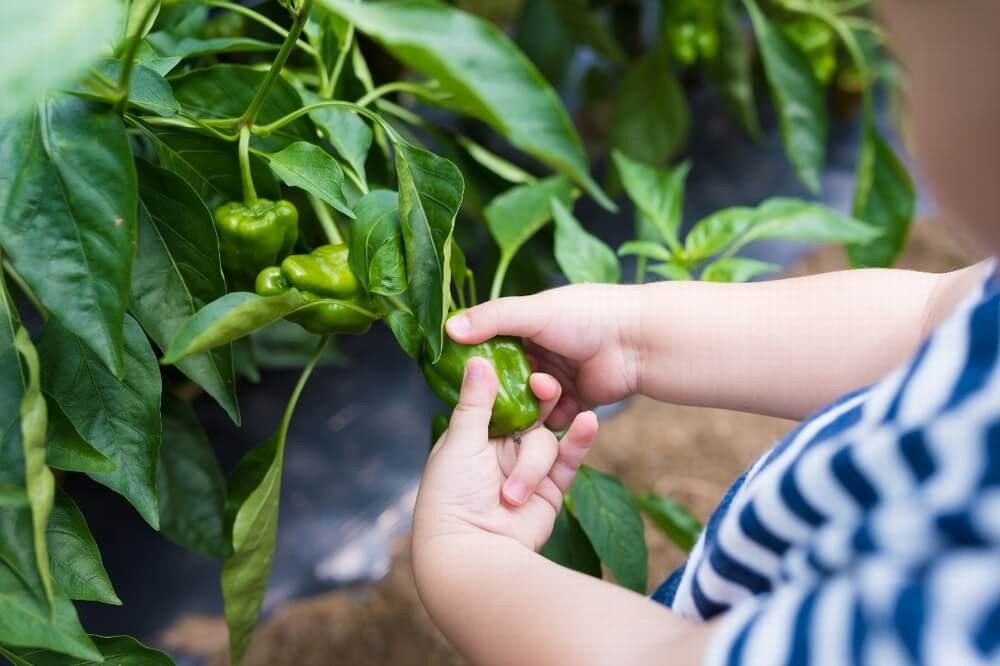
[516, 407]
[322, 275]
[254, 236]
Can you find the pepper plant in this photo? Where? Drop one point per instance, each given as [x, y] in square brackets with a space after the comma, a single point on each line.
[180, 178]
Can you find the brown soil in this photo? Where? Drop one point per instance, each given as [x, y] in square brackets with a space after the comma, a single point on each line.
[690, 454]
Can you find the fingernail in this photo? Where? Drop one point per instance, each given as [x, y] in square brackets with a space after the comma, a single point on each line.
[474, 368]
[516, 492]
[459, 325]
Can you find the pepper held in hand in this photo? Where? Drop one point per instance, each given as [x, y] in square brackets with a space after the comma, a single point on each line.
[322, 275]
[252, 236]
[516, 407]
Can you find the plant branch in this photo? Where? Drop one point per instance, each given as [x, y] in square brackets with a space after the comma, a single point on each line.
[259, 18]
[326, 220]
[500, 273]
[421, 90]
[338, 67]
[249, 193]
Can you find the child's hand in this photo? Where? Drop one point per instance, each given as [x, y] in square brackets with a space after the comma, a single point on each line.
[586, 336]
[476, 484]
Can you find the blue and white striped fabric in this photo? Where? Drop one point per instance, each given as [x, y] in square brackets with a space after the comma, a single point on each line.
[871, 534]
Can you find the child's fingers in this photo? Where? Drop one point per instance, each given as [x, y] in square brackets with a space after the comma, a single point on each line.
[522, 316]
[471, 416]
[537, 452]
[572, 448]
[563, 413]
[547, 390]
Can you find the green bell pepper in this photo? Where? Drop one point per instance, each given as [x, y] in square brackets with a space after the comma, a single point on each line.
[254, 236]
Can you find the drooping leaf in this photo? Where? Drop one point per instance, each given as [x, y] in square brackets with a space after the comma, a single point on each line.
[116, 650]
[170, 45]
[570, 547]
[730, 70]
[737, 269]
[673, 519]
[65, 449]
[43, 45]
[68, 196]
[189, 484]
[177, 271]
[884, 197]
[377, 244]
[310, 168]
[148, 90]
[482, 72]
[430, 194]
[348, 133]
[406, 329]
[610, 518]
[252, 523]
[519, 213]
[581, 256]
[649, 115]
[77, 567]
[797, 95]
[657, 193]
[121, 418]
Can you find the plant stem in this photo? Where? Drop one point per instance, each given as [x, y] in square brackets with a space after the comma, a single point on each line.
[250, 115]
[640, 270]
[286, 418]
[473, 291]
[338, 67]
[259, 18]
[264, 130]
[249, 193]
[498, 276]
[128, 58]
[326, 220]
[417, 89]
[187, 123]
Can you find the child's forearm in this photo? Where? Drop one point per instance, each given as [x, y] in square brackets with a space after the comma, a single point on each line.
[786, 347]
[500, 603]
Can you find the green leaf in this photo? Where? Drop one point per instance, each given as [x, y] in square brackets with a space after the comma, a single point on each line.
[649, 114]
[310, 168]
[542, 37]
[673, 519]
[347, 132]
[67, 450]
[609, 516]
[116, 650]
[493, 163]
[730, 71]
[406, 328]
[225, 91]
[208, 165]
[252, 519]
[170, 45]
[642, 248]
[77, 567]
[176, 272]
[570, 547]
[671, 271]
[798, 97]
[519, 213]
[47, 43]
[148, 90]
[13, 496]
[147, 56]
[713, 233]
[27, 621]
[657, 193]
[430, 194]
[581, 256]
[795, 219]
[121, 418]
[376, 255]
[737, 269]
[884, 197]
[189, 484]
[588, 28]
[68, 196]
[482, 72]
[142, 15]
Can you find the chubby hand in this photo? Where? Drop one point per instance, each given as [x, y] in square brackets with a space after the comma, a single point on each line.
[473, 483]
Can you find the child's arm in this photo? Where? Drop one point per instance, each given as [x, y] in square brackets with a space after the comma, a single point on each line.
[783, 347]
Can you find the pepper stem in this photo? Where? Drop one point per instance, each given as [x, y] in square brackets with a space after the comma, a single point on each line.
[249, 193]
[326, 220]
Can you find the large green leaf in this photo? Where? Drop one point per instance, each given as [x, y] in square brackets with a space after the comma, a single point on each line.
[225, 91]
[121, 418]
[430, 194]
[519, 213]
[148, 90]
[176, 272]
[65, 449]
[674, 520]
[730, 70]
[797, 95]
[115, 650]
[47, 43]
[310, 168]
[377, 244]
[657, 193]
[189, 484]
[581, 256]
[609, 516]
[884, 196]
[346, 131]
[649, 115]
[484, 74]
[77, 567]
[68, 201]
[252, 522]
[569, 546]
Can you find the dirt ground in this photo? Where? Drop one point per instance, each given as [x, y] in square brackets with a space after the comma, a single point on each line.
[690, 454]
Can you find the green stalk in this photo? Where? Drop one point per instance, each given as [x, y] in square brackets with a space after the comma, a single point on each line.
[259, 18]
[417, 89]
[501, 272]
[249, 193]
[326, 220]
[338, 67]
[640, 269]
[286, 418]
[264, 130]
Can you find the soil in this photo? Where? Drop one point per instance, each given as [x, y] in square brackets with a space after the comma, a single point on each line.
[690, 454]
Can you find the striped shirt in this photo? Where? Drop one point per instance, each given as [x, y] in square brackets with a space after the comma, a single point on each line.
[871, 533]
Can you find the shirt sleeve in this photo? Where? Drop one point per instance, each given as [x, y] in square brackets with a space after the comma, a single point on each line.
[882, 611]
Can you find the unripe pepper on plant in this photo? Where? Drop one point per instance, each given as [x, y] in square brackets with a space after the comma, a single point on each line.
[253, 236]
[516, 407]
[323, 274]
